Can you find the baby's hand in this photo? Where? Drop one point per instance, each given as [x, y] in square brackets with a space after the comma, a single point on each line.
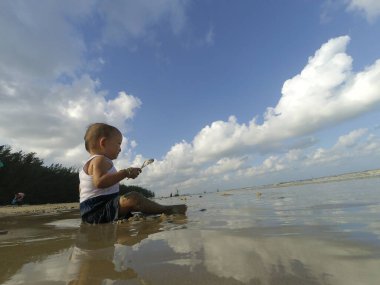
[133, 172]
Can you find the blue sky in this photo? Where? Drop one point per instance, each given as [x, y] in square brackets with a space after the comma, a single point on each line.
[223, 94]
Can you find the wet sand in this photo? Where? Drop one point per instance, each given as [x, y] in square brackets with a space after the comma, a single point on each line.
[37, 209]
[314, 234]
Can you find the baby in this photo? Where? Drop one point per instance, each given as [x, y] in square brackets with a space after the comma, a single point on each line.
[99, 181]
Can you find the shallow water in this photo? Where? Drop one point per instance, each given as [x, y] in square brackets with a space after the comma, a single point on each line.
[311, 234]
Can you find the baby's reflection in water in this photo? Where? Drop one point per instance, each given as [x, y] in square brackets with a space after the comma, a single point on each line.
[105, 251]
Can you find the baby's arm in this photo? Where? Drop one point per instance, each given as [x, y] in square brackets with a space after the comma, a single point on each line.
[99, 167]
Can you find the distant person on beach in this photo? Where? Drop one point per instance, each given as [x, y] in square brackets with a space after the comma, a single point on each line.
[99, 181]
[18, 198]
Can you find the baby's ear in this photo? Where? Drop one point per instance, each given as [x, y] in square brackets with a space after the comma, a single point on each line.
[102, 142]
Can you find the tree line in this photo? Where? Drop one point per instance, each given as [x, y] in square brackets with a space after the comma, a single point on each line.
[26, 173]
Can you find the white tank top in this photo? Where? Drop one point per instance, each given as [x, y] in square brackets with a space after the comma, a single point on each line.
[86, 184]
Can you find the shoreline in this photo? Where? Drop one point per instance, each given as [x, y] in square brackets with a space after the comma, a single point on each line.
[10, 210]
[375, 173]
[367, 174]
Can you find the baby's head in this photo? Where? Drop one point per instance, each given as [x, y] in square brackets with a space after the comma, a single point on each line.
[95, 132]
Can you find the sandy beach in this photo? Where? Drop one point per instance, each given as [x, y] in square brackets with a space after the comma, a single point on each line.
[37, 209]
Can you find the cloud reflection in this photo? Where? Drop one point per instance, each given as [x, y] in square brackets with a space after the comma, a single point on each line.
[319, 234]
[268, 258]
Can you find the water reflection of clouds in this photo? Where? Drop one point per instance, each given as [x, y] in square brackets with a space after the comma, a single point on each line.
[300, 236]
[48, 269]
[331, 204]
[183, 241]
[247, 258]
[66, 223]
[374, 227]
[336, 208]
[334, 204]
[122, 256]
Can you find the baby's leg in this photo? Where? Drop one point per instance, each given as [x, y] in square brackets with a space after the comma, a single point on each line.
[135, 202]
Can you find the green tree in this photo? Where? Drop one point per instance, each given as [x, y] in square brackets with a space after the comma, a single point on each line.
[24, 172]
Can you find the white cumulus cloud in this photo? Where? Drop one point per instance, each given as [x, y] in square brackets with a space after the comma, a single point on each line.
[52, 121]
[47, 95]
[371, 8]
[325, 93]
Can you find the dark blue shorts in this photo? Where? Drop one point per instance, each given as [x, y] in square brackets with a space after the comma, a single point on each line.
[101, 209]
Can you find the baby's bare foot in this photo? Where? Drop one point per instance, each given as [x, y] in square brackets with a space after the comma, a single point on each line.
[177, 209]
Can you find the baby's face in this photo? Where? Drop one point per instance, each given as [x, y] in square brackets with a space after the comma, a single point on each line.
[113, 146]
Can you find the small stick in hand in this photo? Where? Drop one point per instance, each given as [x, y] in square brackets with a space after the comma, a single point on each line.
[146, 163]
